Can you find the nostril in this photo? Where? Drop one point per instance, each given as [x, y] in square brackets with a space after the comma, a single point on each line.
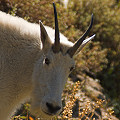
[49, 105]
[52, 108]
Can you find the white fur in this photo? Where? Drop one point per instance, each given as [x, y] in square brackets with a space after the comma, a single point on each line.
[20, 51]
[23, 72]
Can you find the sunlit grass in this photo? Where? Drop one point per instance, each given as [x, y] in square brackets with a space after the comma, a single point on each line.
[86, 113]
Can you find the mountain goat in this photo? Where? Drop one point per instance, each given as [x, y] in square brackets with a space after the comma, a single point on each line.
[34, 65]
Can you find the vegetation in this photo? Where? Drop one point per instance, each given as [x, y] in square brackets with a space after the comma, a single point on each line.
[101, 58]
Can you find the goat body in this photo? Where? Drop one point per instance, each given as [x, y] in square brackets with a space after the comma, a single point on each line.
[20, 48]
[33, 66]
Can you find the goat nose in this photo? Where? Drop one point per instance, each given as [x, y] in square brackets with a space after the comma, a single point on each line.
[51, 108]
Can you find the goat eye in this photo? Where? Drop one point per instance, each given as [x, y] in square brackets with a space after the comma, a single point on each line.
[72, 68]
[47, 61]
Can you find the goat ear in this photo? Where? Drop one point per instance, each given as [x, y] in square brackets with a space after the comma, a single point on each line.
[85, 42]
[44, 36]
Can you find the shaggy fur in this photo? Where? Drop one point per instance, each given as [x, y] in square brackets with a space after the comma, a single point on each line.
[24, 72]
[20, 48]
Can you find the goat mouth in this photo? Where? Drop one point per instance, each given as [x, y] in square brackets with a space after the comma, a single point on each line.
[50, 114]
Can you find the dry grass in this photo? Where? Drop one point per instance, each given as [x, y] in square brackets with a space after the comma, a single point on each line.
[86, 113]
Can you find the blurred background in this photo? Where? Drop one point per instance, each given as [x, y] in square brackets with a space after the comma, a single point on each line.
[98, 64]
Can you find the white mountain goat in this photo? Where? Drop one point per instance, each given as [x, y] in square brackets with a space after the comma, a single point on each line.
[33, 65]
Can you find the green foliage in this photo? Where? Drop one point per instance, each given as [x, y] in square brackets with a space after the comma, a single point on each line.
[107, 29]
[92, 59]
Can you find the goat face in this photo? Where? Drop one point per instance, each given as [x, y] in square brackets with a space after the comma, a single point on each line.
[50, 75]
[51, 71]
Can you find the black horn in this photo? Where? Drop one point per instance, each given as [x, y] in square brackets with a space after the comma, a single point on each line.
[56, 46]
[77, 44]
